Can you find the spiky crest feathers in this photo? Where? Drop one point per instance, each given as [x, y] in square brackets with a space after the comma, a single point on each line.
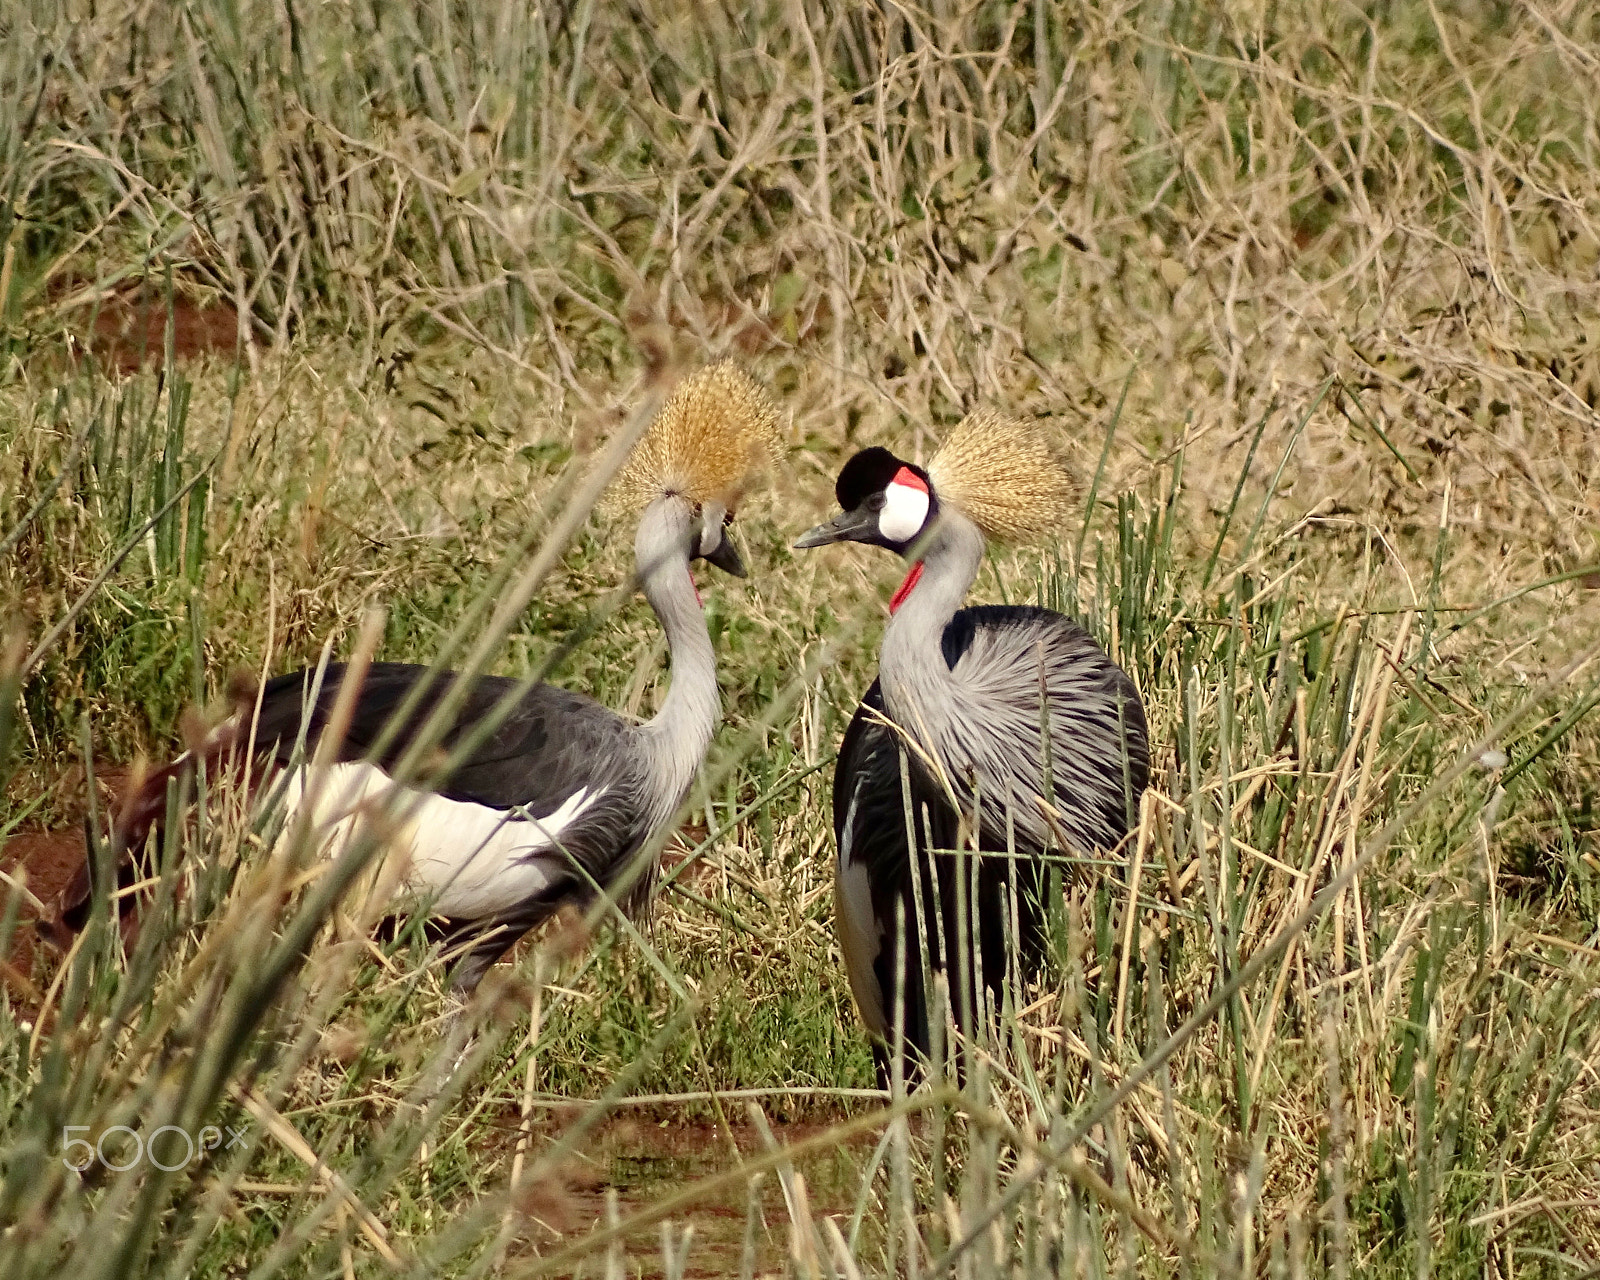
[1003, 475]
[712, 439]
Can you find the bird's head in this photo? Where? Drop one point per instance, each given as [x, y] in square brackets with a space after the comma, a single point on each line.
[884, 501]
[704, 452]
[711, 541]
[1000, 473]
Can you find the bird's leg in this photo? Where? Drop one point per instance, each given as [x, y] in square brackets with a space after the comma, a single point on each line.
[487, 942]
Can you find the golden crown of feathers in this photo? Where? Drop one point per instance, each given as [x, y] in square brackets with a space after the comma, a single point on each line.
[1002, 474]
[717, 431]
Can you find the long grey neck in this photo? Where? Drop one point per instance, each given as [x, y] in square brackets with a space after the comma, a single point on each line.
[919, 688]
[676, 738]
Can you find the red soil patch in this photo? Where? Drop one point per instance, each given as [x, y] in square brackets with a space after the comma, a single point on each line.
[129, 330]
[49, 859]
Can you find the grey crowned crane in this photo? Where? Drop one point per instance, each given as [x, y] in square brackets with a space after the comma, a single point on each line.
[565, 792]
[1007, 727]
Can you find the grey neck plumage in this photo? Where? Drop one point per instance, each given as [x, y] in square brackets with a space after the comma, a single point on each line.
[674, 742]
[960, 727]
[918, 686]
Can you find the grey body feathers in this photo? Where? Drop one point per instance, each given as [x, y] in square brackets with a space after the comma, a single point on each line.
[1042, 713]
[1010, 724]
[605, 783]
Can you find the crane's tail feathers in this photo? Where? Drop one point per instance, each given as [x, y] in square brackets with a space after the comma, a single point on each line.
[142, 808]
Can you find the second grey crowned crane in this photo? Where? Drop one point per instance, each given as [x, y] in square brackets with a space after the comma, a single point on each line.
[564, 793]
[1007, 728]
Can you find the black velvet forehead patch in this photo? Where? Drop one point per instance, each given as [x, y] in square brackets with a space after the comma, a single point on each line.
[868, 472]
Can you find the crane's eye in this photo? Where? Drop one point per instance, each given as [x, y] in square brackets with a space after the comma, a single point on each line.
[876, 501]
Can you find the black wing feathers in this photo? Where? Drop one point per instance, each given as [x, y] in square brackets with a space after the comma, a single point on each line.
[869, 775]
[550, 744]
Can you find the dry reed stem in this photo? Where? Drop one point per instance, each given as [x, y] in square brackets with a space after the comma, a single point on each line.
[1146, 811]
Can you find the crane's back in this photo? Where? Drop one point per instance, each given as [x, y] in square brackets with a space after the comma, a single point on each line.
[1032, 709]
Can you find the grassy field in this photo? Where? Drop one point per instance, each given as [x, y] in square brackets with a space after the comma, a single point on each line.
[313, 317]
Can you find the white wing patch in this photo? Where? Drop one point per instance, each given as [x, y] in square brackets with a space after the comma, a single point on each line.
[468, 860]
[860, 935]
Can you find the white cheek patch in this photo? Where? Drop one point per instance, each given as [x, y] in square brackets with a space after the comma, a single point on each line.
[905, 508]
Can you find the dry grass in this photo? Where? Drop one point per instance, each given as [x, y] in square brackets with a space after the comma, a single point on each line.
[1311, 296]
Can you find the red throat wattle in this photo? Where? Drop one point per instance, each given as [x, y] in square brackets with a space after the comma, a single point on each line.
[912, 578]
[696, 587]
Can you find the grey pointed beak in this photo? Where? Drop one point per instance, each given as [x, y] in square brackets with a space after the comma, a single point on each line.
[847, 526]
[716, 543]
[726, 557]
